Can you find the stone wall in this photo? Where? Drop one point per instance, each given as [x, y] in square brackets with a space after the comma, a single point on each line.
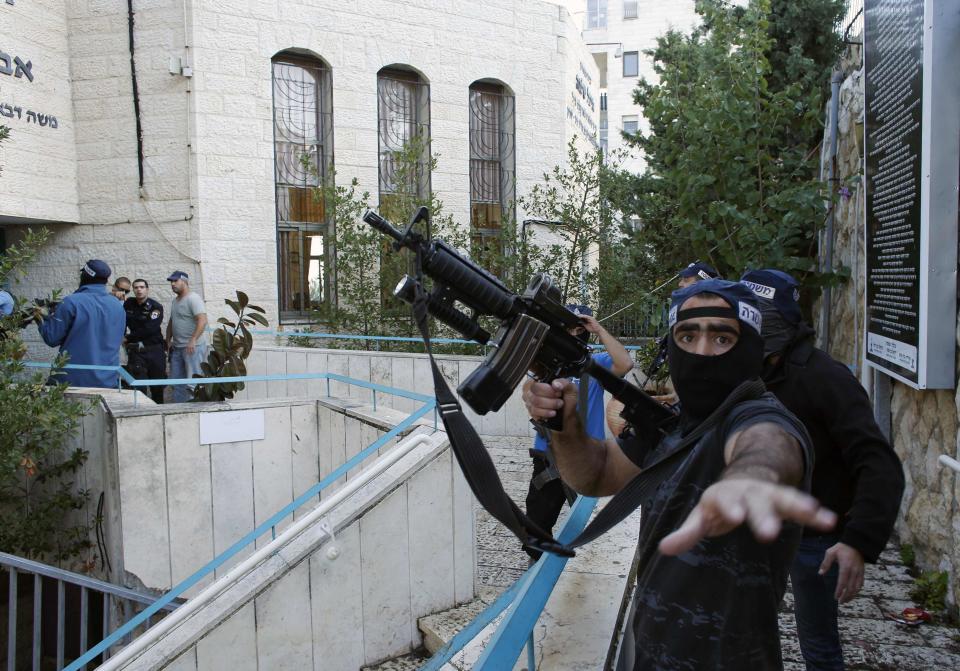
[207, 202]
[924, 424]
[38, 160]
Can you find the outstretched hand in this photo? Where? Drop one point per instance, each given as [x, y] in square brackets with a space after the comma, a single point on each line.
[727, 504]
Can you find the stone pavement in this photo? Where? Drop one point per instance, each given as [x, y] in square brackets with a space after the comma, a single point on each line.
[871, 642]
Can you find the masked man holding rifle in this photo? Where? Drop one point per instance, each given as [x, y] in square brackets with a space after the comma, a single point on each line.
[719, 533]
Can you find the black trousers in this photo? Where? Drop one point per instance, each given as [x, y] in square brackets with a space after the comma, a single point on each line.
[545, 503]
[148, 364]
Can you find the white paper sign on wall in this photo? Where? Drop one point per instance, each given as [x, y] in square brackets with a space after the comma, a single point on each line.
[231, 426]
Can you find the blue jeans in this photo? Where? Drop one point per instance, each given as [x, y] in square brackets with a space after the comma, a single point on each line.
[815, 607]
[185, 365]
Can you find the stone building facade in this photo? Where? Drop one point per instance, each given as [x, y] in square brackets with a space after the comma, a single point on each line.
[618, 33]
[206, 82]
[922, 424]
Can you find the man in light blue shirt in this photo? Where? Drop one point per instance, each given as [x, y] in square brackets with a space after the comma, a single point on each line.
[88, 326]
[547, 492]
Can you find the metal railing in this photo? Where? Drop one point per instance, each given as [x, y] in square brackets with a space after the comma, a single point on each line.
[524, 602]
[525, 599]
[125, 631]
[77, 596]
[949, 462]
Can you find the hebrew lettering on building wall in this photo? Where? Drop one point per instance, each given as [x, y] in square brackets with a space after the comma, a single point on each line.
[8, 111]
[15, 66]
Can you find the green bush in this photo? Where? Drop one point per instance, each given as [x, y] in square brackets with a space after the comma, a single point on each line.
[37, 474]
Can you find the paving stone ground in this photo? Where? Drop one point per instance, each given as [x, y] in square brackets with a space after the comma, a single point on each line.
[871, 642]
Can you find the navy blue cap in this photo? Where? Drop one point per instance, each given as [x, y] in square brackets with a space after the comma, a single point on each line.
[778, 287]
[699, 269]
[178, 275]
[736, 294]
[96, 270]
[579, 310]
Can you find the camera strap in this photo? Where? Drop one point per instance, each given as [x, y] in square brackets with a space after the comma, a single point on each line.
[484, 481]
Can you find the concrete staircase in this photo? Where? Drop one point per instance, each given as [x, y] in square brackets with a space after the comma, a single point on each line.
[577, 630]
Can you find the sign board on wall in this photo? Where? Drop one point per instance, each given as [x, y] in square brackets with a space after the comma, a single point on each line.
[912, 147]
[232, 426]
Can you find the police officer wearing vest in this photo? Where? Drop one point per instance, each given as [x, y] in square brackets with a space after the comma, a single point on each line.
[146, 356]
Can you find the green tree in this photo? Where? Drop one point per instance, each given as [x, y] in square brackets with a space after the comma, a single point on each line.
[37, 473]
[571, 199]
[569, 248]
[730, 174]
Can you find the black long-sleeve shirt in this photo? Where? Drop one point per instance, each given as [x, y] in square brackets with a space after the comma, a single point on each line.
[143, 321]
[856, 473]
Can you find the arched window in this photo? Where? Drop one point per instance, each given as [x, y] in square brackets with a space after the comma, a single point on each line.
[303, 167]
[492, 185]
[403, 123]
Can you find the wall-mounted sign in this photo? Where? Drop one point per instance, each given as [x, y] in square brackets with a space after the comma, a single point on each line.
[912, 130]
[581, 98]
[232, 426]
[9, 111]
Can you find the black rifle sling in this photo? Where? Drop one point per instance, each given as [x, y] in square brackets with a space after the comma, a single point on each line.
[474, 460]
[484, 481]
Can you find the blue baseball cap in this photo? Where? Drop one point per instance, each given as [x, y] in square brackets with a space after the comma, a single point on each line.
[95, 271]
[778, 287]
[741, 300]
[699, 269]
[579, 310]
[178, 275]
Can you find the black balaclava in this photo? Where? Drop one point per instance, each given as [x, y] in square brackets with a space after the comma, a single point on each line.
[778, 332]
[778, 296]
[702, 382]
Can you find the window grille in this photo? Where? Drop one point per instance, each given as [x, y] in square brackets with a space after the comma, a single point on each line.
[403, 122]
[491, 165]
[303, 161]
[630, 9]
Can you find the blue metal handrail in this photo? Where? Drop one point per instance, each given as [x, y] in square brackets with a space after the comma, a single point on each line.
[269, 524]
[526, 599]
[354, 336]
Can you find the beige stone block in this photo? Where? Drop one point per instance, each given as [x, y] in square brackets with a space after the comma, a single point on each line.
[384, 566]
[231, 466]
[143, 499]
[232, 646]
[283, 616]
[190, 499]
[338, 582]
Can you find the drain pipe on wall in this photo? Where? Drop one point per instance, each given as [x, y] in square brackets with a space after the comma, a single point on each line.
[827, 260]
[136, 92]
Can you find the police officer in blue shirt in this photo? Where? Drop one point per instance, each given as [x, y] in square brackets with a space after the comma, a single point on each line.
[547, 493]
[146, 354]
[88, 326]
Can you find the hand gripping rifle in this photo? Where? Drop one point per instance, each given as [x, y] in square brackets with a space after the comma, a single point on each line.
[532, 336]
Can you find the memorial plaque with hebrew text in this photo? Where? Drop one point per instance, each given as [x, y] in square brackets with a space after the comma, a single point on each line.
[893, 107]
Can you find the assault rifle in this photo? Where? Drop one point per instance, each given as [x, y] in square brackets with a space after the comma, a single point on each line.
[532, 335]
